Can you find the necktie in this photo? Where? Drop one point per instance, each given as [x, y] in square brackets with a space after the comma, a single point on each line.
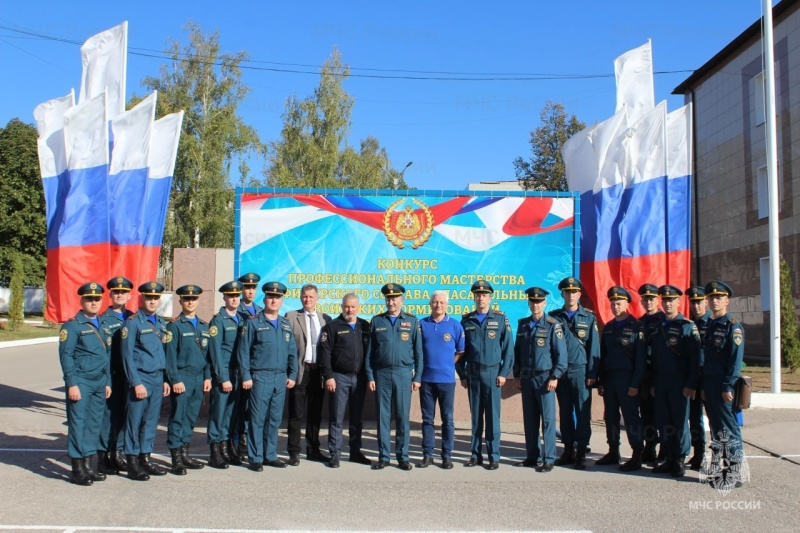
[312, 336]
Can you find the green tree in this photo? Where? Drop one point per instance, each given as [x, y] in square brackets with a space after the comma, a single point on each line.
[790, 342]
[16, 304]
[313, 151]
[544, 171]
[22, 213]
[207, 84]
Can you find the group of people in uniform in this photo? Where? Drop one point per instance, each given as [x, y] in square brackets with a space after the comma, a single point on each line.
[657, 371]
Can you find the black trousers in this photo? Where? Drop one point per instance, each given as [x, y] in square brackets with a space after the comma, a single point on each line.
[305, 403]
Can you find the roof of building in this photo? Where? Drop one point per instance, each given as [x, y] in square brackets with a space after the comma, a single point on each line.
[753, 31]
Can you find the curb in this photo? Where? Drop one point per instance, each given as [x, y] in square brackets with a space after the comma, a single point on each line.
[28, 342]
[771, 400]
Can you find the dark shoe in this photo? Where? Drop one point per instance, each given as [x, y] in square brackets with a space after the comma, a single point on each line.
[360, 458]
[649, 454]
[93, 474]
[447, 463]
[333, 462]
[679, 467]
[119, 460]
[106, 463]
[493, 465]
[79, 475]
[188, 461]
[634, 463]
[580, 457]
[661, 456]
[256, 467]
[294, 459]
[527, 463]
[277, 463]
[177, 462]
[404, 465]
[426, 462]
[611, 458]
[317, 455]
[664, 467]
[243, 457]
[150, 468]
[224, 453]
[380, 465]
[545, 467]
[135, 470]
[234, 454]
[215, 459]
[568, 457]
[697, 459]
[474, 461]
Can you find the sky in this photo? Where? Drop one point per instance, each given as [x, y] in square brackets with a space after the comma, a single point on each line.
[454, 131]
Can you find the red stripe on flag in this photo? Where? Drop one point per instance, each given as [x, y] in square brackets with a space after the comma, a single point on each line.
[69, 267]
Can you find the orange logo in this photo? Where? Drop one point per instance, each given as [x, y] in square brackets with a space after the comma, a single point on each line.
[408, 224]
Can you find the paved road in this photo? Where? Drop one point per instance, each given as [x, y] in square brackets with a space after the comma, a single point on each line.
[34, 469]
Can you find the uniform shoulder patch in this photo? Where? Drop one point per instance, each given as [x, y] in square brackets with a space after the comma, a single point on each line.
[124, 333]
[63, 335]
[213, 330]
[551, 320]
[168, 337]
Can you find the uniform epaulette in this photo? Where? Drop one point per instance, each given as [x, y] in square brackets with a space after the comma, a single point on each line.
[134, 315]
[71, 319]
[521, 320]
[216, 315]
[175, 319]
[499, 312]
[470, 313]
[550, 319]
[733, 320]
[202, 321]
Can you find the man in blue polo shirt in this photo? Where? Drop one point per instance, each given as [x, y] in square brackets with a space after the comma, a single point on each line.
[442, 344]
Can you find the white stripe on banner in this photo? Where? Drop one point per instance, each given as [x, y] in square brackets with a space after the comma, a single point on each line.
[277, 221]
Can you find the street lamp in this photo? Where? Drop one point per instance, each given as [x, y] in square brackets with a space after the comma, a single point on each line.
[402, 172]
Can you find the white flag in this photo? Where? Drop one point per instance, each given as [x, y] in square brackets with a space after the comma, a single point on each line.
[131, 132]
[86, 134]
[634, 73]
[164, 145]
[104, 58]
[49, 118]
[679, 142]
[585, 152]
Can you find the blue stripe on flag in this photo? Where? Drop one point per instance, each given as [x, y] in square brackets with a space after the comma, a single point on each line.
[81, 212]
[126, 202]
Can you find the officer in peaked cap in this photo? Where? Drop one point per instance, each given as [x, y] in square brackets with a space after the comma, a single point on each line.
[540, 359]
[267, 356]
[143, 337]
[723, 350]
[82, 350]
[701, 318]
[189, 375]
[583, 361]
[622, 366]
[247, 308]
[651, 321]
[112, 440]
[225, 384]
[488, 360]
[675, 364]
[394, 369]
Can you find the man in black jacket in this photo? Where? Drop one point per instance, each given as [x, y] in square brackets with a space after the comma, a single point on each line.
[340, 356]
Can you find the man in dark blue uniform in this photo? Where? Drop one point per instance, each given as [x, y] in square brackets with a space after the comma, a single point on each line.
[394, 370]
[723, 350]
[487, 362]
[622, 367]
[675, 359]
[442, 345]
[241, 418]
[651, 320]
[701, 317]
[340, 355]
[83, 352]
[114, 317]
[540, 359]
[225, 384]
[189, 375]
[583, 362]
[267, 355]
[142, 343]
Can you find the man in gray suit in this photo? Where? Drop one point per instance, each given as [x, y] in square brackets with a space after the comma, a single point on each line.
[305, 399]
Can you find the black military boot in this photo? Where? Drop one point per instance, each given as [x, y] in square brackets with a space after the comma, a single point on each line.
[611, 458]
[634, 463]
[568, 457]
[679, 467]
[649, 454]
[93, 474]
[135, 470]
[177, 462]
[79, 475]
[580, 457]
[215, 459]
[243, 457]
[189, 462]
[150, 468]
[665, 467]
[119, 460]
[233, 453]
[106, 464]
[223, 451]
[697, 459]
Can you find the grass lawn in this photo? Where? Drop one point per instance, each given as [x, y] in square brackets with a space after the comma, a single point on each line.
[762, 379]
[29, 331]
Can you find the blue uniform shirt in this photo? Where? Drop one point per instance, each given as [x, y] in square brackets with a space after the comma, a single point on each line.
[723, 350]
[540, 348]
[440, 342]
[83, 351]
[187, 348]
[583, 339]
[262, 346]
[488, 343]
[142, 344]
[244, 310]
[395, 344]
[223, 330]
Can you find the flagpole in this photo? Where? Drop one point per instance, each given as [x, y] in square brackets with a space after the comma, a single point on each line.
[770, 129]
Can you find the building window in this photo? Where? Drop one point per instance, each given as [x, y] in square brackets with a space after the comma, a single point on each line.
[761, 100]
[763, 265]
[763, 192]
